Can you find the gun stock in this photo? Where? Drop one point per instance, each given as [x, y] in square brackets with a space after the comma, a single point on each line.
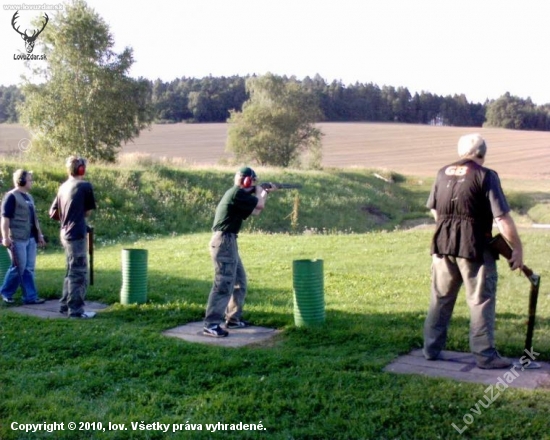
[502, 247]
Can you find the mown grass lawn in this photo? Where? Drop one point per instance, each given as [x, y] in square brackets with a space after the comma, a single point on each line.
[309, 383]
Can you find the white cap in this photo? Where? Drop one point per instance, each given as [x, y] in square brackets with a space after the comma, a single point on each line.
[472, 145]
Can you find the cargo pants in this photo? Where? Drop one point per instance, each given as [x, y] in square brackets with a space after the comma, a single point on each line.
[226, 298]
[76, 278]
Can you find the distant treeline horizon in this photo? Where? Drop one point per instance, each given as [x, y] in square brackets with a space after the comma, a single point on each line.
[210, 99]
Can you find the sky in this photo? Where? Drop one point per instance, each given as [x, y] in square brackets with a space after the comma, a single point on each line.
[479, 48]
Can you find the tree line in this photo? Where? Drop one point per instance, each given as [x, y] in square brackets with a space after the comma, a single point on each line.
[211, 99]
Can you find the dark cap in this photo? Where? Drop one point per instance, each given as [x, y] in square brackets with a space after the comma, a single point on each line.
[247, 172]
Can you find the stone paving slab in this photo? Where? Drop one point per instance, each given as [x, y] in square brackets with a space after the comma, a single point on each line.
[192, 332]
[50, 309]
[462, 367]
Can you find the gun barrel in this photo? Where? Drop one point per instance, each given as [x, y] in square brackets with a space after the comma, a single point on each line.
[91, 253]
[267, 185]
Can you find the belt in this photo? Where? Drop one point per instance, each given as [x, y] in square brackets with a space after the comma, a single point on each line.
[228, 234]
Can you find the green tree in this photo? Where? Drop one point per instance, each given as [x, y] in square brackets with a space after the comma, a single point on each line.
[87, 102]
[277, 124]
[508, 111]
[10, 98]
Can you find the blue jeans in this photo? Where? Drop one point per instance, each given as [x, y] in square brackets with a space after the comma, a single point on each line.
[226, 299]
[22, 274]
[76, 278]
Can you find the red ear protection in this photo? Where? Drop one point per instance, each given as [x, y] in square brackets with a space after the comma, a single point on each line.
[247, 182]
[81, 170]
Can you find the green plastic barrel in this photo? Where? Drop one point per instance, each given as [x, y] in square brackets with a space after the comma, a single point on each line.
[5, 262]
[309, 299]
[134, 276]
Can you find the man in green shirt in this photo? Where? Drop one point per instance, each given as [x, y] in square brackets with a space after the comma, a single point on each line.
[226, 299]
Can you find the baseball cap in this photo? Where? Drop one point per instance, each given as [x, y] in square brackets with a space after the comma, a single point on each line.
[247, 172]
[472, 145]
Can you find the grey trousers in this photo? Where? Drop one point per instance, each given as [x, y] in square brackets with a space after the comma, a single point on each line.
[226, 299]
[480, 282]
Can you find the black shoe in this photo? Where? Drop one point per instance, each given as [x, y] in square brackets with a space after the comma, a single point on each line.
[63, 310]
[7, 300]
[237, 324]
[35, 301]
[431, 356]
[494, 363]
[215, 331]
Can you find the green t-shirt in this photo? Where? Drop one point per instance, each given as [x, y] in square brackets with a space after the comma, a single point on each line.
[235, 206]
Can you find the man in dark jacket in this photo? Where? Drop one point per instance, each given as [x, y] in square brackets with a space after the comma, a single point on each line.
[465, 200]
[73, 203]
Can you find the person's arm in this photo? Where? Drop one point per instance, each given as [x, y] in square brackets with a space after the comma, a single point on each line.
[507, 227]
[505, 222]
[54, 210]
[434, 213]
[261, 195]
[41, 241]
[8, 210]
[5, 226]
[89, 203]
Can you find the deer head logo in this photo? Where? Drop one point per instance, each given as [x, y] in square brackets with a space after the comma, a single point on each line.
[29, 39]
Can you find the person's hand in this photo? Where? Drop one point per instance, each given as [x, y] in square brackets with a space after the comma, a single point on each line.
[516, 260]
[6, 242]
[41, 241]
[272, 188]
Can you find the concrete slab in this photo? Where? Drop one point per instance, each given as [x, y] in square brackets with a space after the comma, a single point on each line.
[462, 367]
[50, 309]
[192, 332]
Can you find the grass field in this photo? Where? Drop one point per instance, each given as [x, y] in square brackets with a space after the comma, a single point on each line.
[322, 383]
[418, 150]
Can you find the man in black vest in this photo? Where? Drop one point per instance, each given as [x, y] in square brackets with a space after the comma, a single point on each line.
[20, 234]
[465, 199]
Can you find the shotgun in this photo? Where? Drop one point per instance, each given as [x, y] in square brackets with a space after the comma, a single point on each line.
[91, 253]
[500, 245]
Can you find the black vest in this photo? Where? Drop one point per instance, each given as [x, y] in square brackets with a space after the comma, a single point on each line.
[464, 216]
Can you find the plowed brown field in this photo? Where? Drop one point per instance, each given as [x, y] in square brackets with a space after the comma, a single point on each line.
[409, 149]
